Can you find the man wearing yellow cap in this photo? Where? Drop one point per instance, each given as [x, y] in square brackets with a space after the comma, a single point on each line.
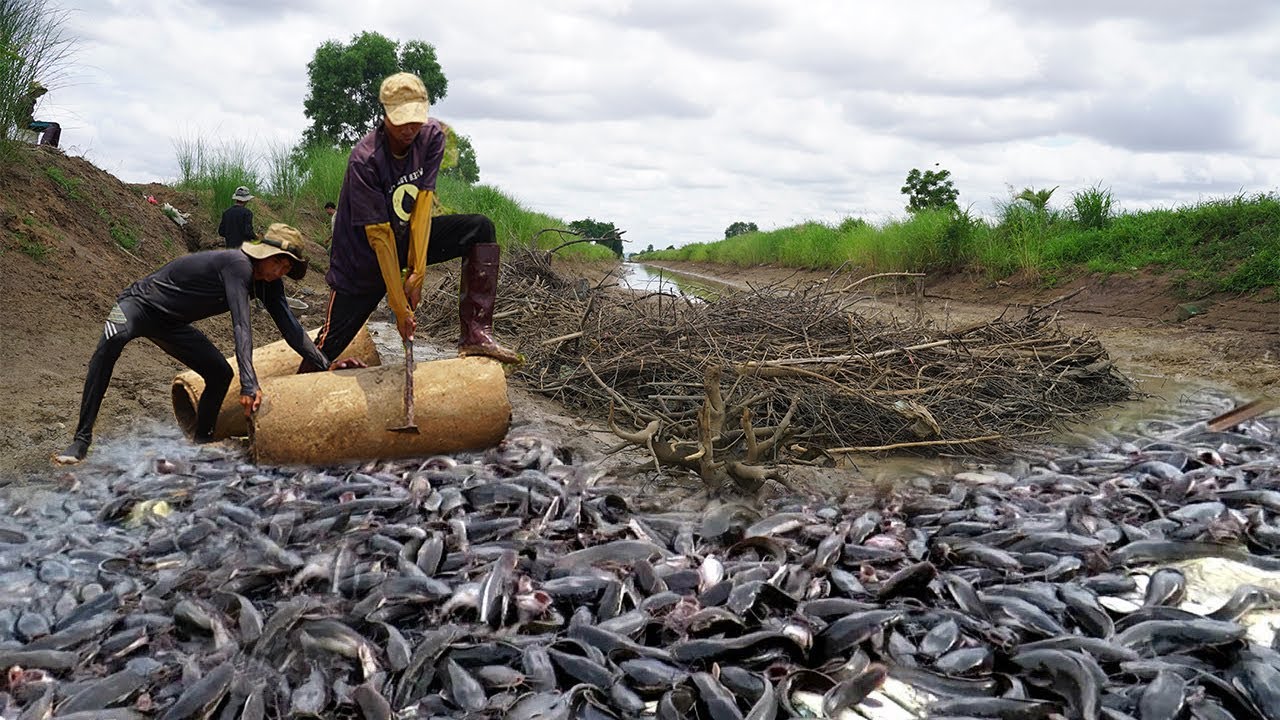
[384, 235]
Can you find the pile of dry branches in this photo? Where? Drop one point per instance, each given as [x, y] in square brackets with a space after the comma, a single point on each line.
[733, 388]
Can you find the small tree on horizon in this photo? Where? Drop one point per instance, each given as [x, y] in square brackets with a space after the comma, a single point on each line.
[740, 228]
[465, 167]
[603, 233]
[930, 190]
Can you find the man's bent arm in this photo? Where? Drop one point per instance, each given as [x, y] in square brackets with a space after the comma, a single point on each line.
[290, 329]
[236, 288]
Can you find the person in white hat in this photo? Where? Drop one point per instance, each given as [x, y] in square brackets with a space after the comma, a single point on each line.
[236, 227]
[162, 306]
[384, 235]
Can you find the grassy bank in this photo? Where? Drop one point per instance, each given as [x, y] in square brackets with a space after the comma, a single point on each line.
[289, 182]
[1223, 245]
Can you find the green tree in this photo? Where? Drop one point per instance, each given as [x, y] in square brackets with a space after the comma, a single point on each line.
[343, 81]
[1037, 199]
[465, 167]
[930, 190]
[602, 232]
[740, 228]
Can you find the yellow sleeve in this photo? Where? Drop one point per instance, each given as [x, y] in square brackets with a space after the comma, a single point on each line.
[420, 235]
[383, 242]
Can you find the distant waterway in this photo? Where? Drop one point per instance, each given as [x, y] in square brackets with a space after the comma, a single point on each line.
[650, 279]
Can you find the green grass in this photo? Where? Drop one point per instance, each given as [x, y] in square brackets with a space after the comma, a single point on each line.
[33, 248]
[931, 239]
[29, 242]
[216, 170]
[71, 186]
[323, 171]
[125, 235]
[1229, 244]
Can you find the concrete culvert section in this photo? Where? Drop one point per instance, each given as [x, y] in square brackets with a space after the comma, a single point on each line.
[345, 415]
[269, 361]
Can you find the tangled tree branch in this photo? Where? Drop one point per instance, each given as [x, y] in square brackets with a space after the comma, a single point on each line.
[726, 389]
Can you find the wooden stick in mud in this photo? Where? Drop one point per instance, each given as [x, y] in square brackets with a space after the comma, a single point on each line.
[1245, 412]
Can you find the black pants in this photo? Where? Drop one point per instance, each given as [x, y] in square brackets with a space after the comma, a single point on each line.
[50, 132]
[129, 320]
[451, 237]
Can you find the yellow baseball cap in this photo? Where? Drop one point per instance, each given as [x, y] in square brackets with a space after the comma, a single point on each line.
[404, 98]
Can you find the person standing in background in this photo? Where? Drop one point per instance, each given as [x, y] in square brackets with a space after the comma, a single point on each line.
[332, 210]
[236, 227]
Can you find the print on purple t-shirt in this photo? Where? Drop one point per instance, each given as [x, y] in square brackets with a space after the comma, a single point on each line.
[379, 189]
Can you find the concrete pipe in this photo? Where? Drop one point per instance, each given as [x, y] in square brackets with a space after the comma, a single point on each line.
[335, 417]
[268, 361]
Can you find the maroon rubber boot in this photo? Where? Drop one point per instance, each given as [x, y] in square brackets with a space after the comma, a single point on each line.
[478, 290]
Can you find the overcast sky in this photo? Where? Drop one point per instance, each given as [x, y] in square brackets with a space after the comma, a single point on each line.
[675, 118]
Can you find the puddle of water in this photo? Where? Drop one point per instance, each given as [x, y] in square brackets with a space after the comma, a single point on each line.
[386, 339]
[1171, 400]
[646, 279]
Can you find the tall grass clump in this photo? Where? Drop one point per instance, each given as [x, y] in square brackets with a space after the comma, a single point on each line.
[324, 168]
[285, 175]
[1019, 238]
[812, 245]
[1092, 208]
[747, 249]
[34, 47]
[936, 239]
[216, 170]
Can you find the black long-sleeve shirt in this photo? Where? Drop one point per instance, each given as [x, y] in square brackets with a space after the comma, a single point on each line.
[236, 226]
[203, 284]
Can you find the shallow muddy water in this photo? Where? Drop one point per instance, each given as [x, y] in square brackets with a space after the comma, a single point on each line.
[648, 279]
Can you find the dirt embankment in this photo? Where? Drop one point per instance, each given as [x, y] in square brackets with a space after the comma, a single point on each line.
[63, 222]
[71, 238]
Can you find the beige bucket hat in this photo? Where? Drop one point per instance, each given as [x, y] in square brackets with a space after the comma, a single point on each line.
[280, 239]
[404, 98]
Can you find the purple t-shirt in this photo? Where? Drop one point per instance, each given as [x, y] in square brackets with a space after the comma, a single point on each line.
[379, 188]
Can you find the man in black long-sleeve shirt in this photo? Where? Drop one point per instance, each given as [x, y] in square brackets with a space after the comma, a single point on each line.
[236, 227]
[162, 306]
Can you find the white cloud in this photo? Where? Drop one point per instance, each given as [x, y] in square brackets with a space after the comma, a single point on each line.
[674, 119]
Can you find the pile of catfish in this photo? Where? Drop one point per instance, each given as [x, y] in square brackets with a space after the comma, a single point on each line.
[514, 584]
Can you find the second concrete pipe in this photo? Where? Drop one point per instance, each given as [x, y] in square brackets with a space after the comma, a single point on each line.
[273, 360]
